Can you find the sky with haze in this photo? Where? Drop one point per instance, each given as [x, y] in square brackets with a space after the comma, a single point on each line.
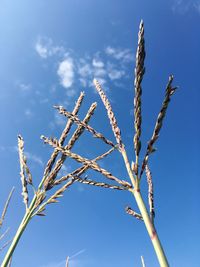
[50, 51]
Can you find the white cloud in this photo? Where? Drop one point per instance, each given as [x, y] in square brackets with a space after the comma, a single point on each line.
[114, 73]
[109, 64]
[45, 48]
[97, 63]
[120, 53]
[182, 7]
[85, 70]
[104, 70]
[88, 68]
[41, 50]
[66, 72]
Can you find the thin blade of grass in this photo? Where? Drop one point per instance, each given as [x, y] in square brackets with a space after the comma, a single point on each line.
[6, 207]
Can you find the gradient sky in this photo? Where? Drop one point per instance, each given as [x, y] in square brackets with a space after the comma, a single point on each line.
[50, 51]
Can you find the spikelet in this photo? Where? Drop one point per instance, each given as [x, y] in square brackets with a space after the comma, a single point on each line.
[100, 184]
[150, 192]
[139, 72]
[63, 136]
[49, 182]
[40, 197]
[22, 172]
[111, 116]
[81, 128]
[83, 168]
[59, 193]
[92, 164]
[131, 212]
[81, 123]
[159, 122]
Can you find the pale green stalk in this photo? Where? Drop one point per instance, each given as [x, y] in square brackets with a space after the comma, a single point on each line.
[26, 219]
[145, 215]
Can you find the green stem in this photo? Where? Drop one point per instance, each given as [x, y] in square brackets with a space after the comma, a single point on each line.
[16, 238]
[151, 230]
[147, 221]
[27, 217]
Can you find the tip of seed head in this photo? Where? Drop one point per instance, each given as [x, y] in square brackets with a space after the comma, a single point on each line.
[20, 137]
[95, 81]
[141, 23]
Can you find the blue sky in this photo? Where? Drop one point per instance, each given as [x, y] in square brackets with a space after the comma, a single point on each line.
[50, 51]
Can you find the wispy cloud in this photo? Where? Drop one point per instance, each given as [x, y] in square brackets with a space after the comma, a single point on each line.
[115, 73]
[45, 48]
[24, 87]
[72, 261]
[73, 70]
[28, 113]
[111, 68]
[182, 7]
[34, 158]
[30, 156]
[118, 53]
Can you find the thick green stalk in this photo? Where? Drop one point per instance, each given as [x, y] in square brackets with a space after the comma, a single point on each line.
[147, 221]
[151, 230]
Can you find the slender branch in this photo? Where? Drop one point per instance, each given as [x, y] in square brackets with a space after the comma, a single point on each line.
[159, 122]
[63, 136]
[49, 182]
[53, 198]
[111, 116]
[93, 165]
[100, 184]
[83, 168]
[81, 123]
[133, 213]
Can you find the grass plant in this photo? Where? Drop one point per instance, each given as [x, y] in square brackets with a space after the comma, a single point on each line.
[42, 196]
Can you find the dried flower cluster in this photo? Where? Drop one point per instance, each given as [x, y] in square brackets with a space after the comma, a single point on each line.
[42, 195]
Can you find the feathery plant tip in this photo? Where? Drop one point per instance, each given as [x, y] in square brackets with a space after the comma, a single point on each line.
[42, 194]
